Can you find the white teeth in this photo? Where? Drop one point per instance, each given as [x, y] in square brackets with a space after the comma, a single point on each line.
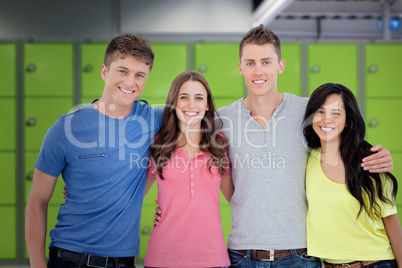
[327, 128]
[259, 81]
[126, 91]
[191, 113]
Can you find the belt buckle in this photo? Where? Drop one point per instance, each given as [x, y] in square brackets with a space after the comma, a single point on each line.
[346, 265]
[271, 255]
[96, 264]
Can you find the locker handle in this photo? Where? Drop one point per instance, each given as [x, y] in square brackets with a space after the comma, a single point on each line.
[88, 68]
[31, 68]
[30, 176]
[146, 230]
[31, 122]
[373, 123]
[373, 69]
[315, 69]
[202, 68]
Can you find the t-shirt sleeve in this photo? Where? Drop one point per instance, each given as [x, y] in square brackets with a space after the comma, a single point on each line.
[387, 209]
[52, 155]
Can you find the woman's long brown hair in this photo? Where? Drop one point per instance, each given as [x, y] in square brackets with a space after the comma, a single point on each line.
[167, 140]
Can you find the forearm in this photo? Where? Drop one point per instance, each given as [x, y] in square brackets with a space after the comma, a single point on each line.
[35, 233]
[227, 188]
[394, 232]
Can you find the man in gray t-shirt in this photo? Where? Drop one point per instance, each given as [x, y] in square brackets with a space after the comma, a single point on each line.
[268, 160]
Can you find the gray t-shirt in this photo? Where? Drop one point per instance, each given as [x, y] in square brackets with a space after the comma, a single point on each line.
[269, 204]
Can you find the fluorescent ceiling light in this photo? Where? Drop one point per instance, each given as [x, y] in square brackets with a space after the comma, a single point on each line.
[268, 9]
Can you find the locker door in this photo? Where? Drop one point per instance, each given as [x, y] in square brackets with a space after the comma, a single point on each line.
[291, 79]
[383, 70]
[8, 233]
[333, 63]
[170, 61]
[397, 172]
[226, 221]
[382, 123]
[39, 115]
[218, 63]
[8, 124]
[147, 217]
[49, 69]
[8, 183]
[92, 55]
[222, 102]
[8, 70]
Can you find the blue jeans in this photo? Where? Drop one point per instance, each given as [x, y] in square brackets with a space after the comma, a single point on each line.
[239, 260]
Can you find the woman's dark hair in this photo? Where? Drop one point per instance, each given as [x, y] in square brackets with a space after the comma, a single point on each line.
[364, 186]
[211, 141]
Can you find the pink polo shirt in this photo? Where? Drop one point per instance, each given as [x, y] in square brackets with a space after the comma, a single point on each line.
[189, 233]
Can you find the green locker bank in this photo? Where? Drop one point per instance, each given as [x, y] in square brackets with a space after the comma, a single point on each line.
[52, 83]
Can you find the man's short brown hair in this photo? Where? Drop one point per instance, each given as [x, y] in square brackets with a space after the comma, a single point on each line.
[261, 35]
[129, 44]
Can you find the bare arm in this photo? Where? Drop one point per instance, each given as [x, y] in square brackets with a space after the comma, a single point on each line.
[227, 187]
[394, 231]
[379, 162]
[36, 217]
[150, 182]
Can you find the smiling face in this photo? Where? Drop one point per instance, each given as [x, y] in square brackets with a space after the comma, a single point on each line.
[192, 102]
[330, 120]
[124, 83]
[260, 67]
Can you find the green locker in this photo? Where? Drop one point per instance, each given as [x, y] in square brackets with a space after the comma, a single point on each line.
[154, 101]
[8, 183]
[151, 196]
[8, 124]
[397, 172]
[383, 70]
[226, 221]
[30, 159]
[147, 221]
[8, 233]
[48, 69]
[8, 70]
[170, 61]
[218, 62]
[382, 124]
[291, 79]
[92, 55]
[222, 102]
[333, 63]
[39, 115]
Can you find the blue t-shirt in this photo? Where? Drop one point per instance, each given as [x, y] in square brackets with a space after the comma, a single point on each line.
[103, 162]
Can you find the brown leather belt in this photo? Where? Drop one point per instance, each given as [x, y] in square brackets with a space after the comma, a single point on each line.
[270, 255]
[349, 265]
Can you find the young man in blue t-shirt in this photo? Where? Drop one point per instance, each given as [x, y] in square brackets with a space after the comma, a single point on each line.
[101, 150]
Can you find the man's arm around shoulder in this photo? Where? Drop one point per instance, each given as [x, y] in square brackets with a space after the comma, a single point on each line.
[36, 217]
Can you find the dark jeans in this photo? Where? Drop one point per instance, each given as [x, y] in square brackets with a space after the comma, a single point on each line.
[385, 263]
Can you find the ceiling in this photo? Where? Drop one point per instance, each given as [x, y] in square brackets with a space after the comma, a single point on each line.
[330, 18]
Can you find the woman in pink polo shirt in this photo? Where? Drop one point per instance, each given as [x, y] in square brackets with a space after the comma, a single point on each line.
[189, 163]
